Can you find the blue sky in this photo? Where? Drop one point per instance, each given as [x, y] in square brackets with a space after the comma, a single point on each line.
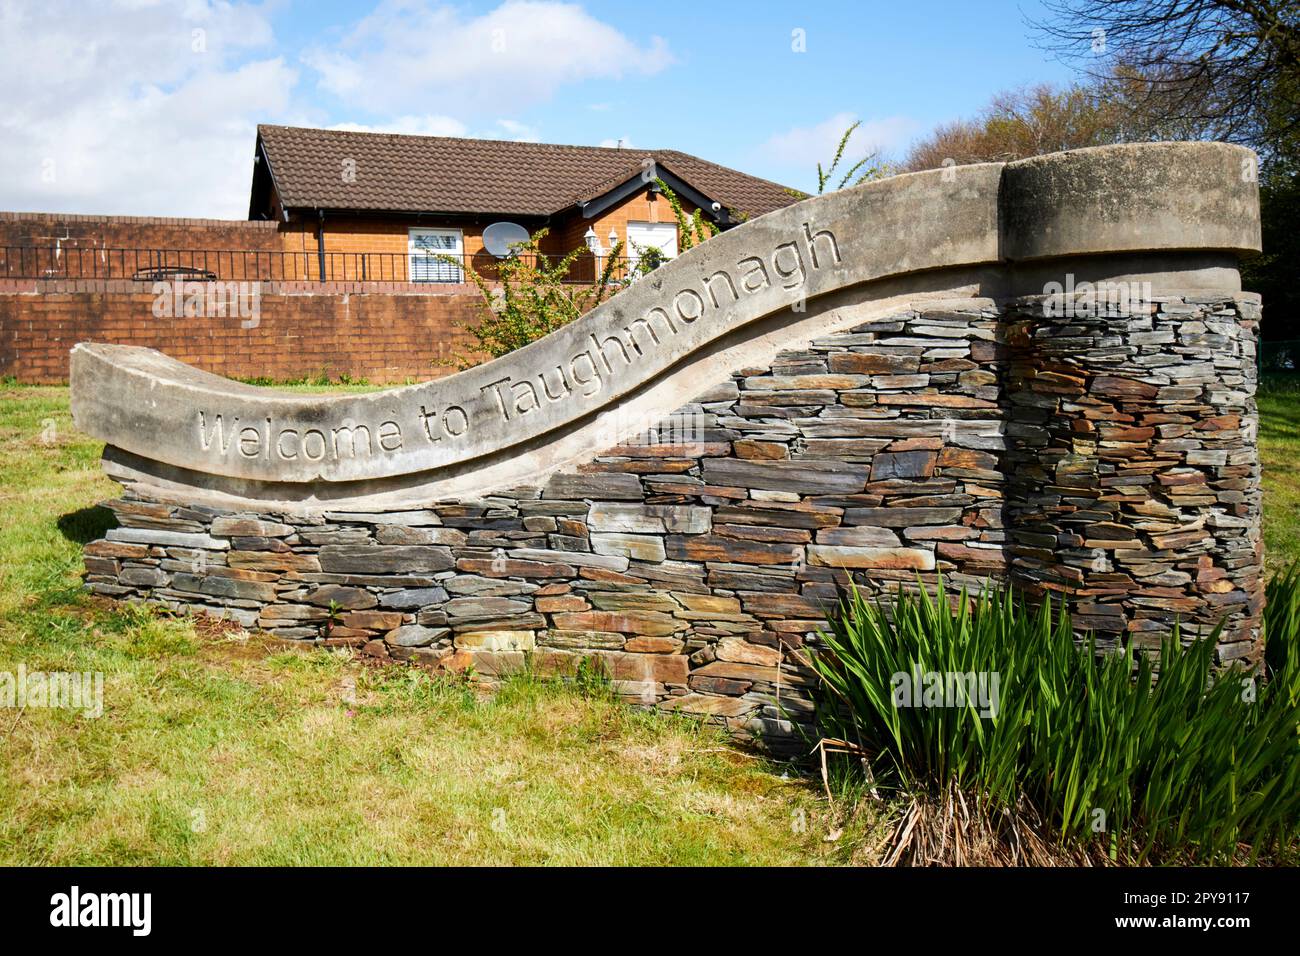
[149, 106]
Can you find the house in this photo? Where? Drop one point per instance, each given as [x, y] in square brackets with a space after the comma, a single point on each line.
[383, 206]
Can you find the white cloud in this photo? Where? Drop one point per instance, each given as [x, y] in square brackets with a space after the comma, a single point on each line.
[149, 107]
[519, 132]
[407, 53]
[805, 146]
[624, 142]
[133, 108]
[410, 126]
[445, 126]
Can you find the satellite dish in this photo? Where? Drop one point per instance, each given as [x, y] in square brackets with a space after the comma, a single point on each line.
[502, 239]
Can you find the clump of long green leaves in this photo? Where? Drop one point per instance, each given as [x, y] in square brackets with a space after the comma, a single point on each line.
[1281, 627]
[1096, 751]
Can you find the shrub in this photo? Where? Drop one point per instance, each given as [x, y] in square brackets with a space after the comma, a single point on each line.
[1077, 754]
[648, 259]
[534, 299]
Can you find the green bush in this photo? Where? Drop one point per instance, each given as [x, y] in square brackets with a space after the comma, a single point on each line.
[534, 298]
[1196, 765]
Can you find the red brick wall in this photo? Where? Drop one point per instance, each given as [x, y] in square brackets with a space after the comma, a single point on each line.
[381, 332]
[135, 232]
[75, 246]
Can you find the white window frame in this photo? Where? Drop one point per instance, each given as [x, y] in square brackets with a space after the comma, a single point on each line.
[420, 269]
[633, 251]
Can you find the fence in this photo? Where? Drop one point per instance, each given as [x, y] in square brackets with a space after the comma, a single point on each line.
[244, 265]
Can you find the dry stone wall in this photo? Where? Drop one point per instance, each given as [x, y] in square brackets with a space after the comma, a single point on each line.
[674, 488]
[1106, 455]
[1134, 479]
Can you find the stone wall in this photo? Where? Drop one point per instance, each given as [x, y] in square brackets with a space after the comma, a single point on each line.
[1134, 480]
[1104, 454]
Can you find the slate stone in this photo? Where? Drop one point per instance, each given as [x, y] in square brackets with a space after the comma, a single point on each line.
[639, 547]
[648, 519]
[140, 576]
[585, 640]
[229, 527]
[801, 477]
[907, 464]
[411, 599]
[401, 534]
[464, 609]
[709, 547]
[293, 612]
[393, 559]
[497, 640]
[582, 560]
[626, 622]
[416, 635]
[608, 487]
[476, 585]
[171, 539]
[862, 536]
[224, 587]
[409, 518]
[633, 601]
[910, 559]
[900, 517]
[352, 599]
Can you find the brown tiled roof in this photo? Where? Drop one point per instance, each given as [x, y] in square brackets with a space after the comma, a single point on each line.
[443, 174]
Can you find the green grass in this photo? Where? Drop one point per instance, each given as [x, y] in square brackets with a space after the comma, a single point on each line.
[228, 748]
[1279, 443]
[220, 747]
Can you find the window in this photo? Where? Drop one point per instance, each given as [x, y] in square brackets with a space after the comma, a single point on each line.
[647, 235]
[426, 245]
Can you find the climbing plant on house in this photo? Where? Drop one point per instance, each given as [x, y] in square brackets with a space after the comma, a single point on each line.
[691, 230]
[530, 297]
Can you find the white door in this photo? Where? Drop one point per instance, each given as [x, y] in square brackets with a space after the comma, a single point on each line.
[644, 235]
[424, 248]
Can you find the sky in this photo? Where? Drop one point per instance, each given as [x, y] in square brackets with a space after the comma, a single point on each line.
[150, 107]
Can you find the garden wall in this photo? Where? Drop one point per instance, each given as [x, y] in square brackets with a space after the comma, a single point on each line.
[381, 332]
[36, 230]
[1042, 373]
[693, 563]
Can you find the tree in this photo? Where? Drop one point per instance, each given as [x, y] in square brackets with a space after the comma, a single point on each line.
[1273, 274]
[1021, 123]
[1206, 69]
[1229, 69]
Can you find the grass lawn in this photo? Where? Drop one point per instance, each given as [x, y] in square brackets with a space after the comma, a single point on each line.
[1279, 443]
[220, 747]
[217, 746]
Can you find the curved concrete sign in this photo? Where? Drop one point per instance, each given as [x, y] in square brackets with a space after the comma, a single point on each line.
[188, 435]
